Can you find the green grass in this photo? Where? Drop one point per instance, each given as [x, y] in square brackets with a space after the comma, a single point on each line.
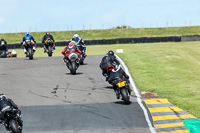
[169, 69]
[172, 70]
[107, 34]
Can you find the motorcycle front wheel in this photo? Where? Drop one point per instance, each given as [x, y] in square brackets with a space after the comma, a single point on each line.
[49, 51]
[14, 127]
[73, 68]
[30, 51]
[3, 53]
[81, 60]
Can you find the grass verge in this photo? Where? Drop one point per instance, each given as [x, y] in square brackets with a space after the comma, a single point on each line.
[107, 34]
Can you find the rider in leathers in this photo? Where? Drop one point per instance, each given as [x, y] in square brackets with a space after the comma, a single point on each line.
[2, 40]
[26, 37]
[116, 73]
[4, 102]
[46, 36]
[108, 60]
[79, 41]
[71, 48]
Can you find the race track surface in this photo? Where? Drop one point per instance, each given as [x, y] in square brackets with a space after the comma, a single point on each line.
[54, 101]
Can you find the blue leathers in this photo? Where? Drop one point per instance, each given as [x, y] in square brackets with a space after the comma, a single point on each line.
[28, 36]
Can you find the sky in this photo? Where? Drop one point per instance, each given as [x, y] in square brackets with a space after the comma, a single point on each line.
[67, 15]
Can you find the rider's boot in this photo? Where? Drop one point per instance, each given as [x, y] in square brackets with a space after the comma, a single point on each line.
[129, 89]
[34, 49]
[117, 93]
[54, 47]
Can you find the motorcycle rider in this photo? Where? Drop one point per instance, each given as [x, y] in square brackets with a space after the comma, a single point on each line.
[71, 48]
[108, 60]
[4, 102]
[26, 37]
[2, 40]
[5, 43]
[79, 41]
[118, 72]
[45, 37]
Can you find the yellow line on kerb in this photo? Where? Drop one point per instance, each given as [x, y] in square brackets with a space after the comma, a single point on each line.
[165, 109]
[177, 131]
[166, 117]
[156, 101]
[169, 125]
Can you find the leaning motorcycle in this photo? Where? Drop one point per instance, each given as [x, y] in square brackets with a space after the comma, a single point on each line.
[123, 88]
[12, 121]
[3, 50]
[72, 63]
[28, 44]
[82, 56]
[49, 46]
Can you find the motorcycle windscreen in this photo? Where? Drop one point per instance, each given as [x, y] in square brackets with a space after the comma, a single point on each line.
[73, 56]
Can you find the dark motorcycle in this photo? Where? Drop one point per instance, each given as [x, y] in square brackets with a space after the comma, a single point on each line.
[3, 50]
[11, 120]
[29, 48]
[49, 46]
[82, 55]
[123, 88]
[72, 63]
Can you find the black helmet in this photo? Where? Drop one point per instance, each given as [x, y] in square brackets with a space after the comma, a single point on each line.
[110, 52]
[2, 39]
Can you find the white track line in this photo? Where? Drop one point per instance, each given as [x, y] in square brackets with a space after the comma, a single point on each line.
[139, 99]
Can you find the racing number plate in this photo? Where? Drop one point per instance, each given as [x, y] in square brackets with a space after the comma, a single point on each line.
[121, 84]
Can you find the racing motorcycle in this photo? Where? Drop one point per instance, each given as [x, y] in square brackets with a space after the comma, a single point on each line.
[123, 89]
[3, 50]
[82, 55]
[49, 46]
[72, 63]
[11, 120]
[28, 44]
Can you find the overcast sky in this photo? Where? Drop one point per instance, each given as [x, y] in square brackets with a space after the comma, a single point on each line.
[62, 15]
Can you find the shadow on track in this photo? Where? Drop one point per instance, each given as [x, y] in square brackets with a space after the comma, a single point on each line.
[32, 59]
[74, 74]
[121, 103]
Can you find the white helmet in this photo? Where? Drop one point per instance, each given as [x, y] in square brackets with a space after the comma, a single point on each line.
[2, 96]
[76, 35]
[27, 33]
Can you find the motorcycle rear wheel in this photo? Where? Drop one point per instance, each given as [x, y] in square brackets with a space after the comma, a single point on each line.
[14, 126]
[125, 96]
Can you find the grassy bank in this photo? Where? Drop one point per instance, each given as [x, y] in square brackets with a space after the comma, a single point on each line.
[107, 34]
[169, 69]
[172, 70]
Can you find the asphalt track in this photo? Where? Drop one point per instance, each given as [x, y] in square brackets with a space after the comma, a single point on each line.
[54, 101]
